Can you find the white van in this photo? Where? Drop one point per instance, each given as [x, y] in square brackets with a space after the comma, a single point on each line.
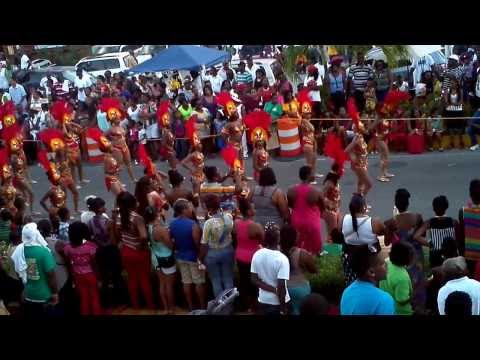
[97, 65]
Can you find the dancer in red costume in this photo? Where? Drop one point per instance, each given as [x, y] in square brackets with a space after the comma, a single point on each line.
[113, 108]
[168, 139]
[110, 164]
[358, 152]
[258, 123]
[331, 185]
[63, 113]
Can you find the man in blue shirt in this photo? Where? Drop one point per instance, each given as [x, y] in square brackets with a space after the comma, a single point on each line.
[363, 297]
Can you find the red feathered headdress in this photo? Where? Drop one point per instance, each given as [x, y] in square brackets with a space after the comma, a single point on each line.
[12, 136]
[224, 99]
[7, 114]
[53, 139]
[113, 108]
[147, 162]
[334, 150]
[303, 99]
[97, 135]
[6, 171]
[190, 131]
[49, 167]
[62, 111]
[392, 100]
[163, 114]
[353, 113]
[229, 155]
[258, 123]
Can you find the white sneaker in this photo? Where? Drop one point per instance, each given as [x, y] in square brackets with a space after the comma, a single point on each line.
[475, 147]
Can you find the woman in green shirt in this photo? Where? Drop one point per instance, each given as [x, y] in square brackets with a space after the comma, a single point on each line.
[398, 283]
[185, 108]
[274, 108]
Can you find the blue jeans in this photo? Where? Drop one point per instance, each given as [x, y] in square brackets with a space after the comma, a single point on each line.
[220, 264]
[473, 131]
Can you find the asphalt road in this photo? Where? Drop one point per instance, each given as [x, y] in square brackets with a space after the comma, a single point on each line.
[425, 176]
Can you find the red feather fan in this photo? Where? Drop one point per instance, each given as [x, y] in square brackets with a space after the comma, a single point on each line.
[223, 98]
[393, 99]
[43, 160]
[146, 160]
[190, 128]
[353, 112]
[334, 150]
[109, 103]
[3, 157]
[162, 108]
[229, 155]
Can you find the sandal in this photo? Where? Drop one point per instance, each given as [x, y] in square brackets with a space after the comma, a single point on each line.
[383, 179]
[389, 175]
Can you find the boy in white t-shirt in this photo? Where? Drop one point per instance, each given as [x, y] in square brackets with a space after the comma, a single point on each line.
[270, 271]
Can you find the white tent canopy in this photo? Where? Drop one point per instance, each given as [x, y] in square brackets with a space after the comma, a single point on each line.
[418, 51]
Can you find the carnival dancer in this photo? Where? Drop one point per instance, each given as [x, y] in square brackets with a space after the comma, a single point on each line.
[14, 143]
[113, 108]
[382, 127]
[8, 119]
[307, 131]
[63, 113]
[195, 158]
[7, 191]
[157, 196]
[110, 164]
[234, 129]
[258, 123]
[168, 139]
[55, 143]
[358, 151]
[331, 185]
[237, 171]
[56, 195]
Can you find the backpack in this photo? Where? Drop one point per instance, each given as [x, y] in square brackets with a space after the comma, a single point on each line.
[100, 235]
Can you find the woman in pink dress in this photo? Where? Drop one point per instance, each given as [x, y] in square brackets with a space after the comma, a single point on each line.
[307, 205]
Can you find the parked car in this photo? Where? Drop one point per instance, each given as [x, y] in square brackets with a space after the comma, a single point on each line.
[108, 49]
[97, 65]
[41, 63]
[32, 78]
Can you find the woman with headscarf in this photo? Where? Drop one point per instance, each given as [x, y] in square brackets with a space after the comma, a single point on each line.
[35, 265]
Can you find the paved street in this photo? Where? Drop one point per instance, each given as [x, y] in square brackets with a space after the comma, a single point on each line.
[425, 176]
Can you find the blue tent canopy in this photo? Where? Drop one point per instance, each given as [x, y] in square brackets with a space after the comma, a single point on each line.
[182, 57]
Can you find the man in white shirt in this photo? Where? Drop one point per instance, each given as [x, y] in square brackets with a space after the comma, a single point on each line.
[18, 94]
[215, 80]
[455, 270]
[24, 62]
[223, 71]
[3, 76]
[270, 271]
[251, 67]
[81, 82]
